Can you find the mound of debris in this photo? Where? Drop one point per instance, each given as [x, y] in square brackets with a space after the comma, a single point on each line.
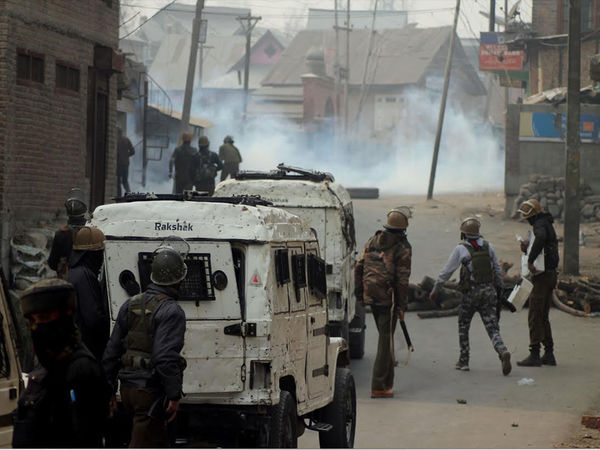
[579, 296]
[450, 296]
[550, 192]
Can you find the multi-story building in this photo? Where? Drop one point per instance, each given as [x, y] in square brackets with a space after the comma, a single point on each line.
[57, 107]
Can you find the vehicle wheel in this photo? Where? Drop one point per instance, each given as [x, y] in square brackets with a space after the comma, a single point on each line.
[283, 433]
[356, 340]
[340, 413]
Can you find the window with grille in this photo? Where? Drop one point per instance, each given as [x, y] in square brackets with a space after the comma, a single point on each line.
[282, 266]
[196, 286]
[299, 270]
[30, 66]
[317, 282]
[67, 77]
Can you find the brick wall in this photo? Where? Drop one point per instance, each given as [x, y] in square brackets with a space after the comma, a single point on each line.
[546, 16]
[548, 65]
[42, 128]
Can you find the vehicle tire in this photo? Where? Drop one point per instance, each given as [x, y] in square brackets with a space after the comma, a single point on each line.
[283, 432]
[356, 340]
[340, 413]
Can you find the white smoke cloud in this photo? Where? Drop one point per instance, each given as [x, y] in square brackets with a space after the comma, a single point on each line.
[470, 156]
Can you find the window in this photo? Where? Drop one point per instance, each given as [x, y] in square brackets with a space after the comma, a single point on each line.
[30, 66]
[282, 267]
[67, 77]
[299, 271]
[196, 286]
[317, 282]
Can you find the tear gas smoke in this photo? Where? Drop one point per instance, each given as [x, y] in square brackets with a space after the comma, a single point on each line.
[471, 156]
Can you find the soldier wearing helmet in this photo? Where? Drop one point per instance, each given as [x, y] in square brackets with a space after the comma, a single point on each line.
[544, 282]
[182, 160]
[381, 280]
[480, 273]
[62, 244]
[85, 266]
[144, 351]
[230, 155]
[64, 405]
[206, 166]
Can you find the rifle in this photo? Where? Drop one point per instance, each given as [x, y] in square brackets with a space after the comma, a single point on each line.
[411, 348]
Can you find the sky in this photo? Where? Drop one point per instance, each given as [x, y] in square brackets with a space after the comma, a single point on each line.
[290, 15]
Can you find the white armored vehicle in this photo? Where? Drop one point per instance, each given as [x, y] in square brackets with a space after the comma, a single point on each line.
[261, 366]
[326, 206]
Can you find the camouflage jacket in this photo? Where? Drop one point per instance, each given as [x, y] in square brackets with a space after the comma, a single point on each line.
[383, 269]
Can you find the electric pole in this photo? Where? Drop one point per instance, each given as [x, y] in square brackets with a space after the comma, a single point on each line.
[248, 26]
[336, 74]
[492, 25]
[438, 135]
[572, 156]
[508, 80]
[347, 80]
[189, 82]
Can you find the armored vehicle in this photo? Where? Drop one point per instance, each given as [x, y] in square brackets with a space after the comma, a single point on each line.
[261, 366]
[327, 207]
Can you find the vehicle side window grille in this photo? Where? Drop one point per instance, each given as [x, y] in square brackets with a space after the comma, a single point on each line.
[196, 286]
[4, 361]
[317, 282]
[299, 270]
[282, 266]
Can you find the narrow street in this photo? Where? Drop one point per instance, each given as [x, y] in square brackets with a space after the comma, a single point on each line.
[498, 412]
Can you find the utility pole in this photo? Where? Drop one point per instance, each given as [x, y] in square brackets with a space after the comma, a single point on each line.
[572, 156]
[438, 135]
[365, 68]
[189, 82]
[347, 80]
[506, 73]
[492, 25]
[336, 74]
[251, 22]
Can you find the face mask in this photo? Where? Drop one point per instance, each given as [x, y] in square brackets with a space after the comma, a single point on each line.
[51, 339]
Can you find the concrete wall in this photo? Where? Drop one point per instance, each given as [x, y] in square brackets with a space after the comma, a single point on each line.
[526, 158]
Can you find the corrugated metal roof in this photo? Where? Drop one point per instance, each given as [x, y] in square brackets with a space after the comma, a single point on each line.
[195, 121]
[400, 56]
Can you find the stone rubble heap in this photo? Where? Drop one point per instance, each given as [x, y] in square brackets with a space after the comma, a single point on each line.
[550, 192]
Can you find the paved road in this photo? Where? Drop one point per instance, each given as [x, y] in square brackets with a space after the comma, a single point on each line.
[499, 413]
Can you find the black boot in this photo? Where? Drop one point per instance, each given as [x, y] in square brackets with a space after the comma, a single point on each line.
[548, 357]
[533, 360]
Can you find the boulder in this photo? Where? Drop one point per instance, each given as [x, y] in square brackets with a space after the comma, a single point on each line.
[554, 210]
[588, 211]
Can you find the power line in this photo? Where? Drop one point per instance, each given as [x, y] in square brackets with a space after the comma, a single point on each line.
[147, 20]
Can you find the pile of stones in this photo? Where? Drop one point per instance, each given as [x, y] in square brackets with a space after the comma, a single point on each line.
[550, 192]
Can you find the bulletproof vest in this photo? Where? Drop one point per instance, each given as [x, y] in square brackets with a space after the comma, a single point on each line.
[482, 267]
[206, 167]
[184, 159]
[140, 337]
[377, 279]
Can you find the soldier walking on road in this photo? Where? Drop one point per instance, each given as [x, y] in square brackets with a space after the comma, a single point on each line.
[63, 238]
[92, 308]
[125, 151]
[381, 280]
[230, 155]
[64, 405]
[206, 166]
[480, 273]
[182, 159]
[544, 283]
[144, 352]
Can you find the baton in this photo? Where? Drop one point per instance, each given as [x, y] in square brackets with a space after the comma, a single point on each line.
[408, 341]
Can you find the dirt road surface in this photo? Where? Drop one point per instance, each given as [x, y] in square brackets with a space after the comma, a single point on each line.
[499, 413]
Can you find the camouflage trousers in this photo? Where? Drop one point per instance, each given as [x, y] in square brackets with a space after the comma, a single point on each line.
[481, 299]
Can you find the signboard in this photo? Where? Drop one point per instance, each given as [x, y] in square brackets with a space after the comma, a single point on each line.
[495, 55]
[552, 127]
[511, 82]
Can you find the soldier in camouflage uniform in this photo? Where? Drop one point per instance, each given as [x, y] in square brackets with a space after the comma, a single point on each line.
[480, 272]
[381, 280]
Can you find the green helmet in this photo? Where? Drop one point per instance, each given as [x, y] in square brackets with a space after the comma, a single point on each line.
[75, 204]
[47, 295]
[168, 267]
[228, 139]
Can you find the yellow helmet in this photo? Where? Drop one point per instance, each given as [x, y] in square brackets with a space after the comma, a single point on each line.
[530, 208]
[187, 137]
[397, 219]
[89, 238]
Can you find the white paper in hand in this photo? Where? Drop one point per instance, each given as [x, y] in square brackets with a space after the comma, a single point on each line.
[538, 263]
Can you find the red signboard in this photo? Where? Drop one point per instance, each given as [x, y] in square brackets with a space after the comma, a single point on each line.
[495, 55]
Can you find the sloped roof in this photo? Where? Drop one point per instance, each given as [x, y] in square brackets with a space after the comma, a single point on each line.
[324, 19]
[400, 56]
[241, 63]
